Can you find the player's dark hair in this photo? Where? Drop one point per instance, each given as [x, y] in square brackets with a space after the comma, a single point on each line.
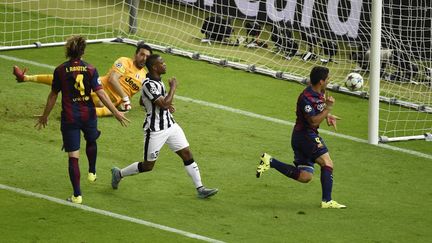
[141, 45]
[318, 73]
[75, 46]
[151, 61]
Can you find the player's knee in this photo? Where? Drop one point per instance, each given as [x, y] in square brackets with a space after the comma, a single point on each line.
[325, 160]
[328, 163]
[305, 177]
[185, 154]
[145, 166]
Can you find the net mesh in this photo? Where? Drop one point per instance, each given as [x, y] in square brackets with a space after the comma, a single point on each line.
[287, 36]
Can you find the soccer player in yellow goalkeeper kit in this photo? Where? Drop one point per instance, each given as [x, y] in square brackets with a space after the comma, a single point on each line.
[123, 80]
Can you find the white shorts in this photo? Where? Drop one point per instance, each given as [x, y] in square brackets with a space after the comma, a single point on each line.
[154, 141]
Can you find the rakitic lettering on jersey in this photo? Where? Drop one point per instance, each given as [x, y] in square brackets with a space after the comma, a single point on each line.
[76, 69]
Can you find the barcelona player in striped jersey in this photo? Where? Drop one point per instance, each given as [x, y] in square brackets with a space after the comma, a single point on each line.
[160, 128]
[309, 148]
[122, 81]
[76, 79]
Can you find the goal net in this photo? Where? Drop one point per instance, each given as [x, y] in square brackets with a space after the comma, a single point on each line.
[282, 38]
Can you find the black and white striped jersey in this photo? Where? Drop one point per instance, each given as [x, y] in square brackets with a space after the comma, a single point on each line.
[157, 118]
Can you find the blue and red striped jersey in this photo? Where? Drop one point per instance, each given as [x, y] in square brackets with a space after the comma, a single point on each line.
[309, 103]
[76, 79]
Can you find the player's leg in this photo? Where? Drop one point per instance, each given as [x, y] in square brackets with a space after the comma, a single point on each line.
[40, 78]
[101, 110]
[71, 143]
[153, 142]
[267, 162]
[326, 164]
[178, 143]
[118, 174]
[91, 134]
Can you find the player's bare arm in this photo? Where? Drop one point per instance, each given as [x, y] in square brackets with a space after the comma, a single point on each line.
[166, 102]
[114, 79]
[43, 119]
[107, 102]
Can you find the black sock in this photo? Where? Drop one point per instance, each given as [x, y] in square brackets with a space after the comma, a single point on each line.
[326, 183]
[286, 169]
[91, 151]
[74, 175]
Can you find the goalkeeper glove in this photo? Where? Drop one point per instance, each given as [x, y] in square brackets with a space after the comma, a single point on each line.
[126, 104]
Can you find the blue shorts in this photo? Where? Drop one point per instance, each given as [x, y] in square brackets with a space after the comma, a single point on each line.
[307, 146]
[71, 133]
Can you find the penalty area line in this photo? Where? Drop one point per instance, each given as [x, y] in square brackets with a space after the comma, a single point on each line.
[109, 214]
[254, 115]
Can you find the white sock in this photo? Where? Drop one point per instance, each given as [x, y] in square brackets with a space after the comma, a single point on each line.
[131, 169]
[193, 172]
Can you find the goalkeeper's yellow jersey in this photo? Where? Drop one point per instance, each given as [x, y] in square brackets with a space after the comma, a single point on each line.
[131, 79]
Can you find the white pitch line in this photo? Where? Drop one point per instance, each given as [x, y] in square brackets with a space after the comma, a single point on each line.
[288, 123]
[37, 64]
[254, 115]
[109, 214]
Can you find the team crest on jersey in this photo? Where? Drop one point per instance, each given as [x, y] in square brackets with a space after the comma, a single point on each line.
[153, 89]
[120, 67]
[308, 108]
[321, 106]
[137, 76]
[99, 81]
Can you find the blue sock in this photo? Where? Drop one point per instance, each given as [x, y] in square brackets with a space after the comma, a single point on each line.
[74, 175]
[326, 183]
[286, 169]
[91, 151]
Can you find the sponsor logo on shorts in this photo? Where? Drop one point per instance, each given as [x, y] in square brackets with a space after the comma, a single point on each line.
[154, 155]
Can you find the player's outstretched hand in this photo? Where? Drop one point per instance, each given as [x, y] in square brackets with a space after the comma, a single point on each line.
[42, 122]
[331, 121]
[120, 116]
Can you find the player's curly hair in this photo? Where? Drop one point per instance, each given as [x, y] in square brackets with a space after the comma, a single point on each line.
[318, 73]
[75, 46]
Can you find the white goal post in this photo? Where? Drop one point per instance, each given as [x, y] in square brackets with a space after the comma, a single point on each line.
[281, 38]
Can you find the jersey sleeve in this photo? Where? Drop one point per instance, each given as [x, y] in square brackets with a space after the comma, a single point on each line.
[120, 66]
[151, 91]
[56, 84]
[307, 108]
[95, 82]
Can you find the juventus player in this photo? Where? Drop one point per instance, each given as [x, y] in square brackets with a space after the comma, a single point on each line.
[160, 128]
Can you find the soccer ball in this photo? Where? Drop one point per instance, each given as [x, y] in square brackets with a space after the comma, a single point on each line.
[354, 81]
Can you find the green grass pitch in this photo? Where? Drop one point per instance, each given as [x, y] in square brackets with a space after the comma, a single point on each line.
[388, 192]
